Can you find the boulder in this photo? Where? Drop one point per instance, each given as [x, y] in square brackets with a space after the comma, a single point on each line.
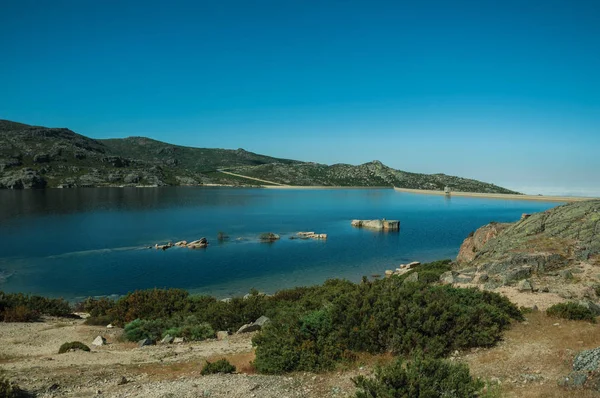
[587, 360]
[389, 273]
[132, 178]
[178, 340]
[163, 247]
[222, 335]
[413, 264]
[414, 277]
[145, 342]
[254, 326]
[168, 339]
[262, 321]
[99, 341]
[517, 274]
[525, 286]
[181, 243]
[110, 326]
[447, 277]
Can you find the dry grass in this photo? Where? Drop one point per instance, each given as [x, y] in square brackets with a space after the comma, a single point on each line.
[535, 349]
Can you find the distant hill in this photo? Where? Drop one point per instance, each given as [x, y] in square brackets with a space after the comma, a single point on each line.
[39, 157]
[373, 173]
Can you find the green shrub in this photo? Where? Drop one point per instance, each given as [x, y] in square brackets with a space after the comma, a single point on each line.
[306, 343]
[74, 345]
[572, 311]
[382, 316]
[220, 366]
[25, 308]
[145, 329]
[419, 378]
[150, 304]
[100, 320]
[190, 328]
[96, 307]
[20, 313]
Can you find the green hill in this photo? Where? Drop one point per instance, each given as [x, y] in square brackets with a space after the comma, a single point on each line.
[39, 157]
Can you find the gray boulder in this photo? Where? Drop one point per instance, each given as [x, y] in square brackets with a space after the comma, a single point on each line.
[222, 335]
[254, 326]
[588, 360]
[168, 339]
[145, 342]
[448, 277]
[525, 286]
[99, 341]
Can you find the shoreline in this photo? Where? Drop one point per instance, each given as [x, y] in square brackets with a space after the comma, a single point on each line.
[504, 196]
[300, 187]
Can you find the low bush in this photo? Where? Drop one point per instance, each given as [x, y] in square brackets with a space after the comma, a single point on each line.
[20, 313]
[220, 366]
[96, 307]
[419, 378]
[382, 316]
[572, 311]
[18, 307]
[190, 328]
[100, 320]
[74, 345]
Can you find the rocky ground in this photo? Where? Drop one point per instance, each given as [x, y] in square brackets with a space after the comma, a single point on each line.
[534, 356]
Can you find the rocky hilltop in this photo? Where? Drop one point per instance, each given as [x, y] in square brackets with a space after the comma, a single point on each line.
[554, 251]
[373, 173]
[40, 157]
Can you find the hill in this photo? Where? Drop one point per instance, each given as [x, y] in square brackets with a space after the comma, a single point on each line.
[39, 157]
[373, 173]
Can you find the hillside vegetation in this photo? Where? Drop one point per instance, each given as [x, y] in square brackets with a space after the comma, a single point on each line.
[41, 157]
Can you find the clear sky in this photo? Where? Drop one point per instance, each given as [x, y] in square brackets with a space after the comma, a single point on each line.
[503, 91]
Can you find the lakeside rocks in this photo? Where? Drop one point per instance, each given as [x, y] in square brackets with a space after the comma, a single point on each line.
[383, 224]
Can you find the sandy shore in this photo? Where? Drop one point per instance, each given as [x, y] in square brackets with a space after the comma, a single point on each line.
[498, 195]
[319, 187]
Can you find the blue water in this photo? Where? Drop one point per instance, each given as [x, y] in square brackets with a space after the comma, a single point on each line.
[82, 242]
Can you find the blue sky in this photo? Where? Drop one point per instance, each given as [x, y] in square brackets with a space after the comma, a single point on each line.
[503, 91]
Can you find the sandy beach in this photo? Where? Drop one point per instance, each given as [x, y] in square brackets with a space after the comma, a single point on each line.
[497, 195]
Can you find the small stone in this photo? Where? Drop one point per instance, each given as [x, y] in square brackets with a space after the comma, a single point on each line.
[122, 380]
[178, 340]
[168, 339]
[222, 335]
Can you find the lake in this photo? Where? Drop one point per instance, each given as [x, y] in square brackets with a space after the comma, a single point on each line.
[75, 243]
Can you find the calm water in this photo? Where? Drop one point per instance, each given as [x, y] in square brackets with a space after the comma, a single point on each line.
[82, 242]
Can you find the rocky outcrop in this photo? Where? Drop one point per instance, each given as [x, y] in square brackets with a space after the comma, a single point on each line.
[22, 179]
[269, 237]
[542, 249]
[476, 240]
